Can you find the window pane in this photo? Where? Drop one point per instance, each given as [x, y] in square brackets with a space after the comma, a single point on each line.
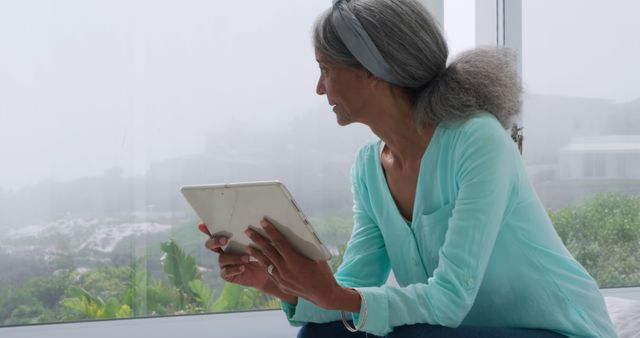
[460, 26]
[582, 136]
[108, 107]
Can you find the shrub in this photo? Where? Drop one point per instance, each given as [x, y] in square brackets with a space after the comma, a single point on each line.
[603, 234]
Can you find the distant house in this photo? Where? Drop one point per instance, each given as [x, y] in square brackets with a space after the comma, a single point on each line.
[601, 157]
[552, 122]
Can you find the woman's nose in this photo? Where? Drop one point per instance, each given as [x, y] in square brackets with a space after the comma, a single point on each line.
[320, 90]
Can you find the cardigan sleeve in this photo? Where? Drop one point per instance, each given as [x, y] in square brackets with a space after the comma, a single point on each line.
[365, 261]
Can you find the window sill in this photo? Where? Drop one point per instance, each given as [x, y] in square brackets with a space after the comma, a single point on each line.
[628, 293]
[267, 324]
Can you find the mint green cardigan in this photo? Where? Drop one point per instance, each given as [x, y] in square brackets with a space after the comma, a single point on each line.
[480, 249]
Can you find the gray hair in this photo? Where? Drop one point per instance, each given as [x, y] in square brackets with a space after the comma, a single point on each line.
[412, 44]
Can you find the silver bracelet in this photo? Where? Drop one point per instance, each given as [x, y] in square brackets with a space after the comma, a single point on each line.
[363, 315]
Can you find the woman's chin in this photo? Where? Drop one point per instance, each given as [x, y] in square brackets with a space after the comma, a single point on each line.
[342, 121]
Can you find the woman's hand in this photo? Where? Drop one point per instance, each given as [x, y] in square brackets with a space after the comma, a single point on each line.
[298, 275]
[237, 268]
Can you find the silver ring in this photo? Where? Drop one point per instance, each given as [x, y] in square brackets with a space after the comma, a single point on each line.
[270, 269]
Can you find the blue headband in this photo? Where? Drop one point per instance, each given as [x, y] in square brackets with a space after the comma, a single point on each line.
[359, 43]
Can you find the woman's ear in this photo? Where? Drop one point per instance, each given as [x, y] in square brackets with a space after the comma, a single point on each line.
[374, 80]
[368, 75]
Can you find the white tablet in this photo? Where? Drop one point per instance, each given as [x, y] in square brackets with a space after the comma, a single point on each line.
[229, 209]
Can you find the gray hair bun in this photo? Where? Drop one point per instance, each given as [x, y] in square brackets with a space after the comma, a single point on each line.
[483, 79]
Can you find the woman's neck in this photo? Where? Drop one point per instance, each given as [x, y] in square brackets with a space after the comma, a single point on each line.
[405, 140]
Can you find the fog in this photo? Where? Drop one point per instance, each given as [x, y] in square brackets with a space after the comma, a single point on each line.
[93, 88]
[87, 85]
[583, 49]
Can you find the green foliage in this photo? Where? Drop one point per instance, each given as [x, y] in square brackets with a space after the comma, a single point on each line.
[235, 297]
[26, 314]
[108, 282]
[229, 298]
[146, 296]
[603, 234]
[180, 268]
[336, 260]
[161, 299]
[251, 299]
[258, 300]
[334, 230]
[124, 291]
[202, 295]
[30, 301]
[92, 307]
[136, 294]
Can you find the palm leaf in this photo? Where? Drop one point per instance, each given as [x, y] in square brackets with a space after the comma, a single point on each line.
[229, 298]
[202, 294]
[180, 267]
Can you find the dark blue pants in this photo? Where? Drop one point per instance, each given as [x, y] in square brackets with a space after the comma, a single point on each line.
[337, 330]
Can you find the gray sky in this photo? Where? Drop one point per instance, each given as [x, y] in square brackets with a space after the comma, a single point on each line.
[87, 85]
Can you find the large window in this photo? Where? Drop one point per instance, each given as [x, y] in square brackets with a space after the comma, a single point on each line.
[582, 128]
[108, 107]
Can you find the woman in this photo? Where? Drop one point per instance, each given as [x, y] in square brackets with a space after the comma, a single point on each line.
[442, 198]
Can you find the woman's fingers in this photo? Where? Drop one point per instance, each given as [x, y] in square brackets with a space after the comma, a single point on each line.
[203, 228]
[282, 283]
[280, 243]
[229, 259]
[265, 262]
[265, 246]
[229, 272]
[259, 256]
[215, 243]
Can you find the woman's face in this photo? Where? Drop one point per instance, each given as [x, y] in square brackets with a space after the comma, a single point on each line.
[348, 90]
